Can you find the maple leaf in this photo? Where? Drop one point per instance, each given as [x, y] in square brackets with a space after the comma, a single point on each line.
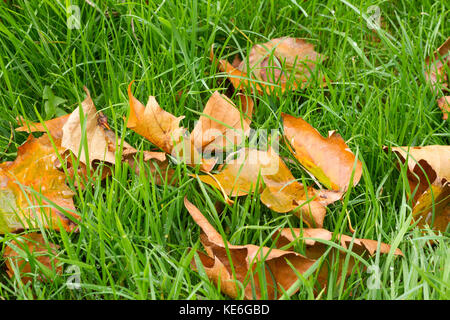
[281, 193]
[245, 259]
[222, 125]
[436, 67]
[429, 181]
[330, 160]
[281, 267]
[311, 239]
[285, 62]
[68, 133]
[20, 252]
[28, 184]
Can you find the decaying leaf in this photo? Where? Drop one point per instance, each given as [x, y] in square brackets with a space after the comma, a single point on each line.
[33, 170]
[436, 68]
[246, 261]
[222, 125]
[429, 180]
[285, 62]
[19, 253]
[330, 160]
[281, 191]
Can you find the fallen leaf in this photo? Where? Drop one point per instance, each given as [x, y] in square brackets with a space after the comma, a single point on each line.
[73, 132]
[153, 123]
[278, 273]
[34, 169]
[429, 180]
[436, 67]
[101, 140]
[163, 130]
[32, 245]
[444, 105]
[314, 249]
[281, 193]
[54, 127]
[330, 160]
[222, 125]
[285, 62]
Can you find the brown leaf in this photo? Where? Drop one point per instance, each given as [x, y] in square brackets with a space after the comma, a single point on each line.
[282, 193]
[96, 139]
[222, 125]
[34, 169]
[244, 260]
[54, 127]
[436, 73]
[429, 179]
[33, 245]
[330, 160]
[435, 67]
[275, 63]
[314, 249]
[444, 104]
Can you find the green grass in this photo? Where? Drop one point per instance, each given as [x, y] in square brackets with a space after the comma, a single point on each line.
[134, 238]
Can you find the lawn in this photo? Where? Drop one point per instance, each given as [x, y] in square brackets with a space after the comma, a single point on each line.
[135, 236]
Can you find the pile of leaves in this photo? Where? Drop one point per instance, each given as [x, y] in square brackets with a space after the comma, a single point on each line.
[35, 195]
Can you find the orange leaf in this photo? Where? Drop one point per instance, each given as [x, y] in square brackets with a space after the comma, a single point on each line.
[158, 126]
[283, 62]
[245, 259]
[33, 245]
[222, 125]
[329, 159]
[34, 169]
[429, 179]
[282, 193]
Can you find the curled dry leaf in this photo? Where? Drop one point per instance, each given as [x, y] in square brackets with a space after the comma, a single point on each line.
[95, 134]
[32, 244]
[314, 249]
[281, 193]
[153, 123]
[278, 264]
[436, 68]
[222, 125]
[248, 262]
[330, 160]
[34, 169]
[429, 180]
[66, 131]
[286, 62]
[444, 104]
[163, 130]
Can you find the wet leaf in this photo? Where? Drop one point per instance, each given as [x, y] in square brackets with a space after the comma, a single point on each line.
[330, 160]
[429, 180]
[34, 170]
[31, 247]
